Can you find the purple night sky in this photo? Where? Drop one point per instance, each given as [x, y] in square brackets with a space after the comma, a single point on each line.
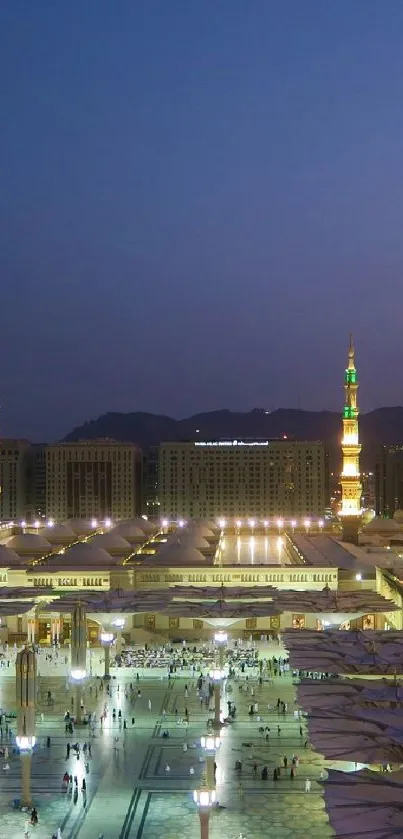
[199, 200]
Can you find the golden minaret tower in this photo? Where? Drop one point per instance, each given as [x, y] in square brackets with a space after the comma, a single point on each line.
[351, 448]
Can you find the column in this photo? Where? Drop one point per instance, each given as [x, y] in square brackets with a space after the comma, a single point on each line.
[204, 816]
[25, 674]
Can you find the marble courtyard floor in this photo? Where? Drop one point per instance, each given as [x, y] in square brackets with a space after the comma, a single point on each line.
[130, 795]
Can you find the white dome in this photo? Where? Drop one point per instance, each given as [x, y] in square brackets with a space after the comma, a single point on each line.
[80, 526]
[398, 516]
[59, 534]
[85, 553]
[178, 555]
[111, 541]
[29, 543]
[380, 525]
[201, 530]
[194, 540]
[9, 558]
[130, 532]
[146, 525]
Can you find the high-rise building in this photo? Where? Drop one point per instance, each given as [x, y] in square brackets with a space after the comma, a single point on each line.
[389, 480]
[93, 479]
[151, 504]
[14, 478]
[351, 448]
[238, 478]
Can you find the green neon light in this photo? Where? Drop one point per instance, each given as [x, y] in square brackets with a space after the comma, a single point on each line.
[351, 377]
[349, 413]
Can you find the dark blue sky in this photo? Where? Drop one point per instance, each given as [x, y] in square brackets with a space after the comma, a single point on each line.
[198, 201]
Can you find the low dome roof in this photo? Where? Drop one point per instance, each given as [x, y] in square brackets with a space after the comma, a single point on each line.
[398, 516]
[80, 525]
[146, 525]
[178, 554]
[86, 553]
[27, 542]
[58, 534]
[111, 541]
[201, 530]
[129, 531]
[9, 558]
[380, 525]
[194, 540]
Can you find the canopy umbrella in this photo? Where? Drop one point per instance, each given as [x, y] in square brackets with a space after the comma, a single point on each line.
[223, 592]
[364, 804]
[334, 693]
[25, 592]
[220, 609]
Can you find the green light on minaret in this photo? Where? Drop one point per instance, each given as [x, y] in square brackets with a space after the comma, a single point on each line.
[351, 377]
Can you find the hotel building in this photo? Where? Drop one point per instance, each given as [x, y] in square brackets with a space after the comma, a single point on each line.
[93, 479]
[262, 478]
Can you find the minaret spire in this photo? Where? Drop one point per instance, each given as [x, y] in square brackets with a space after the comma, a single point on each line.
[351, 448]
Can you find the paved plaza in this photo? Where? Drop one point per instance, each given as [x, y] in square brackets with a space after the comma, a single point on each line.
[131, 793]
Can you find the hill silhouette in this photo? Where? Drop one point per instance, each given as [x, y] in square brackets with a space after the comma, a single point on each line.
[384, 425]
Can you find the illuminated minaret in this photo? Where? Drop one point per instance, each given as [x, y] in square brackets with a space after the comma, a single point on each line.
[350, 446]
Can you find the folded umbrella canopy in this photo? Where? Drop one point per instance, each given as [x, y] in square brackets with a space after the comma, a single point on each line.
[334, 651]
[335, 693]
[364, 804]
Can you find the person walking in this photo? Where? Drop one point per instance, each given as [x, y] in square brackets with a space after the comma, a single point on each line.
[149, 704]
[307, 785]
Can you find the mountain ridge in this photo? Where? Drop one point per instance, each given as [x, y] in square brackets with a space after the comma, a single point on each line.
[381, 426]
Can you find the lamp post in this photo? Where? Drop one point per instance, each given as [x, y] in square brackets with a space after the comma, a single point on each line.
[216, 677]
[107, 640]
[119, 623]
[78, 654]
[204, 798]
[221, 638]
[210, 743]
[25, 674]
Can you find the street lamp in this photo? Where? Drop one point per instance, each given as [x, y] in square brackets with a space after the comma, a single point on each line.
[119, 623]
[280, 524]
[107, 640]
[204, 799]
[252, 524]
[25, 675]
[216, 677]
[210, 743]
[221, 638]
[293, 525]
[307, 524]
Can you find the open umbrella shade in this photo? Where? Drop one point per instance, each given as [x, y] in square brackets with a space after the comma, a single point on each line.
[220, 609]
[25, 592]
[113, 601]
[365, 804]
[336, 602]
[10, 608]
[223, 592]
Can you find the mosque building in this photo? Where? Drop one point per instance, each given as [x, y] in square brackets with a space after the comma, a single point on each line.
[82, 556]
